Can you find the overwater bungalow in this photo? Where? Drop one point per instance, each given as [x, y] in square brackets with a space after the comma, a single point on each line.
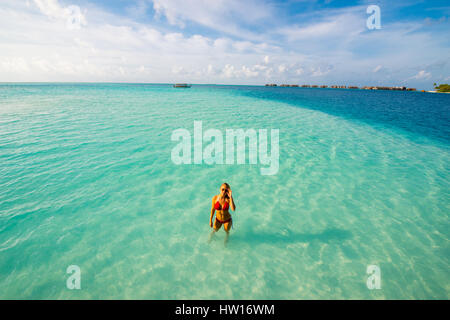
[389, 88]
[181, 85]
[340, 87]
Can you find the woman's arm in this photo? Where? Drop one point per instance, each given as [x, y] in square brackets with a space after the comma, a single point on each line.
[212, 212]
[232, 205]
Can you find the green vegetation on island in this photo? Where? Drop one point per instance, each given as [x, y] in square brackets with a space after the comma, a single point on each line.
[442, 87]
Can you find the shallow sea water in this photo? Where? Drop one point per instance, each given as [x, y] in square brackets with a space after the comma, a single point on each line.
[86, 178]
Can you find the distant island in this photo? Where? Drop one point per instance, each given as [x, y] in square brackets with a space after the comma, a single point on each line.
[442, 88]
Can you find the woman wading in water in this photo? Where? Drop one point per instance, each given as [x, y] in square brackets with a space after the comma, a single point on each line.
[222, 203]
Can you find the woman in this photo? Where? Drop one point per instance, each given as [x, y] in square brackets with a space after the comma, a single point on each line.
[221, 203]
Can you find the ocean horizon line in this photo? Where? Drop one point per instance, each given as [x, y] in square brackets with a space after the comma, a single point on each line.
[297, 86]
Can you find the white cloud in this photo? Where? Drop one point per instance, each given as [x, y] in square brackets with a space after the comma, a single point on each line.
[249, 72]
[259, 67]
[341, 25]
[320, 71]
[422, 74]
[50, 8]
[177, 69]
[71, 14]
[228, 71]
[299, 71]
[14, 65]
[35, 45]
[282, 68]
[221, 15]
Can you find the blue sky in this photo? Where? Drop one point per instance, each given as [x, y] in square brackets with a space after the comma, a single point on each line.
[230, 42]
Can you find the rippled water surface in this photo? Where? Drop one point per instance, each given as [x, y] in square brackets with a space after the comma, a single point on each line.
[86, 179]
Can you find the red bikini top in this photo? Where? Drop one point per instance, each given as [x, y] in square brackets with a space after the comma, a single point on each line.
[217, 205]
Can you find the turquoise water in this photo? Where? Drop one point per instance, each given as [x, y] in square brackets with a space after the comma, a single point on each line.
[86, 179]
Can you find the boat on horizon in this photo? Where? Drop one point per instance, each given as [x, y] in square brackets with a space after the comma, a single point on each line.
[181, 85]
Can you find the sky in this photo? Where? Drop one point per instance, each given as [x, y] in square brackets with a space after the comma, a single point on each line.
[226, 42]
